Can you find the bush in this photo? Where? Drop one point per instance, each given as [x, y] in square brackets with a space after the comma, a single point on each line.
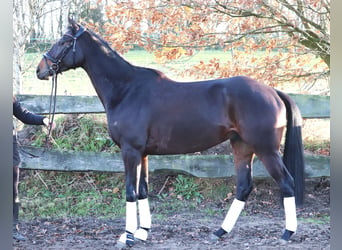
[187, 189]
[79, 133]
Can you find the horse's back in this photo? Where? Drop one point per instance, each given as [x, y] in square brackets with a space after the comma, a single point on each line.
[193, 116]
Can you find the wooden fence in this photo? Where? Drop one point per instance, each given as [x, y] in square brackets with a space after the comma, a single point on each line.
[196, 165]
[311, 106]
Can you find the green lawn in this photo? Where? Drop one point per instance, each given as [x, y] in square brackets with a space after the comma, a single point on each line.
[76, 82]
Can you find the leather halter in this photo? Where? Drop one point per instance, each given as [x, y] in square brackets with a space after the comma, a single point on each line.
[54, 68]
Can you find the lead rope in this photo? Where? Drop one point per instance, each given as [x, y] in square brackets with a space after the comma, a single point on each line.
[52, 100]
[52, 96]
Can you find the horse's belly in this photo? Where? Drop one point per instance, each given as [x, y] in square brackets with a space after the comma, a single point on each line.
[177, 140]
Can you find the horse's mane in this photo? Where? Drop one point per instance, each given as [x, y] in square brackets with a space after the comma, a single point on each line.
[113, 52]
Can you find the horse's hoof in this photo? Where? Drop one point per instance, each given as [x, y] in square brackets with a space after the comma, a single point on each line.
[120, 245]
[287, 235]
[282, 242]
[213, 238]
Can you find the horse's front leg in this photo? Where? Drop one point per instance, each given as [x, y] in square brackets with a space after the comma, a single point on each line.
[132, 162]
[143, 204]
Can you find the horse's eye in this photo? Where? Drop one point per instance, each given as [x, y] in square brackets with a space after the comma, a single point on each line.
[64, 42]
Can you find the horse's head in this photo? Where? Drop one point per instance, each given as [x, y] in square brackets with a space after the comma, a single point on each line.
[64, 54]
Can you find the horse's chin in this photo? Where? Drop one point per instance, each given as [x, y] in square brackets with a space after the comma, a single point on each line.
[43, 76]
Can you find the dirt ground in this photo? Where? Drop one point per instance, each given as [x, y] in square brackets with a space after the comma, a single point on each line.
[259, 226]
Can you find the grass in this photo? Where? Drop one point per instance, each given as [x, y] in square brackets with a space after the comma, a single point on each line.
[317, 219]
[316, 136]
[317, 146]
[48, 194]
[60, 194]
[76, 82]
[51, 194]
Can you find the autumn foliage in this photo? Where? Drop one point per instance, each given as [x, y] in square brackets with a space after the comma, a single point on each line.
[272, 41]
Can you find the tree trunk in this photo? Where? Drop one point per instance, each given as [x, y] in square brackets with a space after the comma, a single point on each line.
[17, 72]
[19, 44]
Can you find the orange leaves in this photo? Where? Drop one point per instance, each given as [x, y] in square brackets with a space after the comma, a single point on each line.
[157, 18]
[169, 54]
[255, 32]
[274, 69]
[272, 43]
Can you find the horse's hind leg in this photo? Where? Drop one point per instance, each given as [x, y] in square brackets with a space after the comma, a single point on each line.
[143, 204]
[243, 158]
[280, 174]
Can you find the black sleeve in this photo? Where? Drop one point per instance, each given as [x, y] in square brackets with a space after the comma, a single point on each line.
[26, 116]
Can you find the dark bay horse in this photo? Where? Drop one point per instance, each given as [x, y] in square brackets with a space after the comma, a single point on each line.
[149, 114]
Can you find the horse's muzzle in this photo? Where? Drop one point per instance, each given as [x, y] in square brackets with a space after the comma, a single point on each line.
[42, 75]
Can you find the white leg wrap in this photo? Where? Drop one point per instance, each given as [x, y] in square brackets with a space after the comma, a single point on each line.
[141, 234]
[123, 238]
[145, 220]
[131, 217]
[144, 213]
[232, 215]
[290, 214]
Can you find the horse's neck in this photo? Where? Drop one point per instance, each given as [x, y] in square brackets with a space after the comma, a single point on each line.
[109, 74]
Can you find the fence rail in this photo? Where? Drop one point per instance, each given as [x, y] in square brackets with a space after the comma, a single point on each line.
[311, 106]
[210, 166]
[197, 165]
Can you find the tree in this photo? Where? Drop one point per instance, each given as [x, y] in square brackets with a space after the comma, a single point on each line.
[37, 22]
[28, 17]
[271, 40]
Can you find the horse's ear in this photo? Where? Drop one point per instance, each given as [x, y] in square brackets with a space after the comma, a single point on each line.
[74, 26]
[71, 20]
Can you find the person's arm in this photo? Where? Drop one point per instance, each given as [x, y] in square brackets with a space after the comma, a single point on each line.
[28, 117]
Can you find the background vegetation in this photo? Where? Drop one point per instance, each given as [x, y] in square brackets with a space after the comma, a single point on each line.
[276, 42]
[283, 43]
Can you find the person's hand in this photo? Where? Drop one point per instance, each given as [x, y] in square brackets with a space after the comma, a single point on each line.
[47, 123]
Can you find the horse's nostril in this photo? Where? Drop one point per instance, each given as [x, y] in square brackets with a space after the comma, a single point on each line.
[37, 70]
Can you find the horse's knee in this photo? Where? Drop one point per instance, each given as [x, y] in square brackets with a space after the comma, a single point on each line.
[131, 195]
[243, 190]
[143, 190]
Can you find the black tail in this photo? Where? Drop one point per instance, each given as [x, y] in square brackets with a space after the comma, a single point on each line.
[293, 153]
